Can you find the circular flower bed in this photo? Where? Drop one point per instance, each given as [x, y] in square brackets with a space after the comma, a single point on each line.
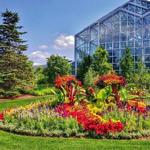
[110, 115]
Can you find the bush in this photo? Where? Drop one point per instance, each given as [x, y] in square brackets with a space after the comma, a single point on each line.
[8, 94]
[90, 77]
[40, 91]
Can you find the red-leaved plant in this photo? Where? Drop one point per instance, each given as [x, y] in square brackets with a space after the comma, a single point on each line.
[69, 86]
[114, 81]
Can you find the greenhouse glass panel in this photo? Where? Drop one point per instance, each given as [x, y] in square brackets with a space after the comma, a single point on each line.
[128, 26]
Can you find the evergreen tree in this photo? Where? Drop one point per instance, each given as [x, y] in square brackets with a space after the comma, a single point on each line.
[83, 67]
[127, 64]
[10, 36]
[16, 71]
[100, 62]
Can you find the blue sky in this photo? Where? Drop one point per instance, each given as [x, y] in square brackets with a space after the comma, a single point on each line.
[51, 24]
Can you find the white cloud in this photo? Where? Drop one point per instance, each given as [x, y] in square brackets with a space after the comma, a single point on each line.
[37, 64]
[43, 47]
[63, 45]
[64, 42]
[39, 57]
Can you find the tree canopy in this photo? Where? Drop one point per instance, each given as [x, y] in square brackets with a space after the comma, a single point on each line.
[100, 62]
[57, 65]
[83, 67]
[127, 64]
[10, 34]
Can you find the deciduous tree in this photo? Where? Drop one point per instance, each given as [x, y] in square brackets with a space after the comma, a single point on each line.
[100, 62]
[57, 65]
[127, 64]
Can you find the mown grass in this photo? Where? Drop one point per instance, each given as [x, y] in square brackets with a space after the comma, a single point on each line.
[9, 141]
[22, 102]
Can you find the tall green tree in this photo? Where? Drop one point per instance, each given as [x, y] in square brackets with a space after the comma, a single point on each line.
[100, 62]
[10, 34]
[83, 67]
[127, 64]
[16, 71]
[57, 65]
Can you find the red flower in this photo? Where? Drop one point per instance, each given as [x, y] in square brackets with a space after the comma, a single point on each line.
[141, 110]
[1, 117]
[129, 108]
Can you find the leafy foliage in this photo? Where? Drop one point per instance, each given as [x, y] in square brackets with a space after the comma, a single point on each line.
[16, 72]
[40, 77]
[57, 65]
[70, 88]
[141, 76]
[10, 36]
[40, 91]
[90, 77]
[127, 64]
[100, 62]
[15, 69]
[83, 67]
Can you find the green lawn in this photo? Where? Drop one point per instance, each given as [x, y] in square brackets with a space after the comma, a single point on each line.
[22, 102]
[15, 142]
[10, 141]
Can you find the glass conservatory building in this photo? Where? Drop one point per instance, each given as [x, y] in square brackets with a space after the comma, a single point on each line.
[126, 26]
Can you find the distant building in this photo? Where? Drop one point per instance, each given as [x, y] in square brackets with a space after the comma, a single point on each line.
[126, 26]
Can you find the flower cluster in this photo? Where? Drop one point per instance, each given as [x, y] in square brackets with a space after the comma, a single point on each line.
[89, 121]
[136, 106]
[30, 107]
[111, 79]
[1, 117]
